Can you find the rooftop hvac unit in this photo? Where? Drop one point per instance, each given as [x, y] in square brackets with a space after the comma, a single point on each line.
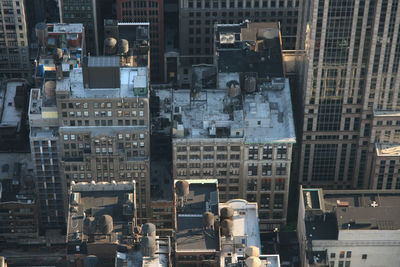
[227, 38]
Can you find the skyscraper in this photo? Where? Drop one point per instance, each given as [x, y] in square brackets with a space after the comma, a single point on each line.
[350, 77]
[14, 59]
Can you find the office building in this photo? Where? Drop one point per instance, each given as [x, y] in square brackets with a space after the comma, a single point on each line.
[152, 12]
[103, 112]
[100, 216]
[57, 43]
[241, 133]
[197, 19]
[350, 78]
[14, 54]
[348, 228]
[19, 224]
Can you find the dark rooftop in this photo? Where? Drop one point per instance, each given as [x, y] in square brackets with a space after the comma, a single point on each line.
[328, 212]
[94, 200]
[249, 47]
[190, 234]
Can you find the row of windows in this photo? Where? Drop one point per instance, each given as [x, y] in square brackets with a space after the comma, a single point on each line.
[102, 105]
[103, 113]
[243, 4]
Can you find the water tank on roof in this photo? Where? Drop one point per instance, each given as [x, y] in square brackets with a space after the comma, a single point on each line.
[182, 188]
[123, 46]
[227, 227]
[252, 262]
[226, 213]
[58, 55]
[148, 246]
[110, 46]
[250, 83]
[252, 251]
[149, 229]
[105, 224]
[50, 89]
[233, 88]
[208, 220]
[41, 33]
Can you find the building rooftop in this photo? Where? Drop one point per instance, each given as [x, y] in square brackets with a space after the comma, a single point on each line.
[329, 212]
[132, 81]
[261, 117]
[134, 257]
[91, 207]
[249, 47]
[245, 221]
[11, 113]
[190, 233]
[16, 178]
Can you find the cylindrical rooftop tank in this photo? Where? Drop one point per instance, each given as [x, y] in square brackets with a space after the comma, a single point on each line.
[110, 46]
[105, 224]
[226, 213]
[148, 246]
[58, 56]
[233, 88]
[50, 89]
[182, 188]
[208, 220]
[41, 33]
[149, 229]
[252, 251]
[227, 227]
[123, 46]
[253, 262]
[250, 83]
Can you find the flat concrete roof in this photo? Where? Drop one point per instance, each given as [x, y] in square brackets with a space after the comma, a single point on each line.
[11, 115]
[131, 78]
[263, 117]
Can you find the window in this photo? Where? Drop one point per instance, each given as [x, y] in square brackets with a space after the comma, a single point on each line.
[278, 201]
[267, 152]
[253, 152]
[347, 264]
[333, 255]
[364, 256]
[341, 255]
[252, 169]
[267, 169]
[348, 254]
[281, 169]
[281, 152]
